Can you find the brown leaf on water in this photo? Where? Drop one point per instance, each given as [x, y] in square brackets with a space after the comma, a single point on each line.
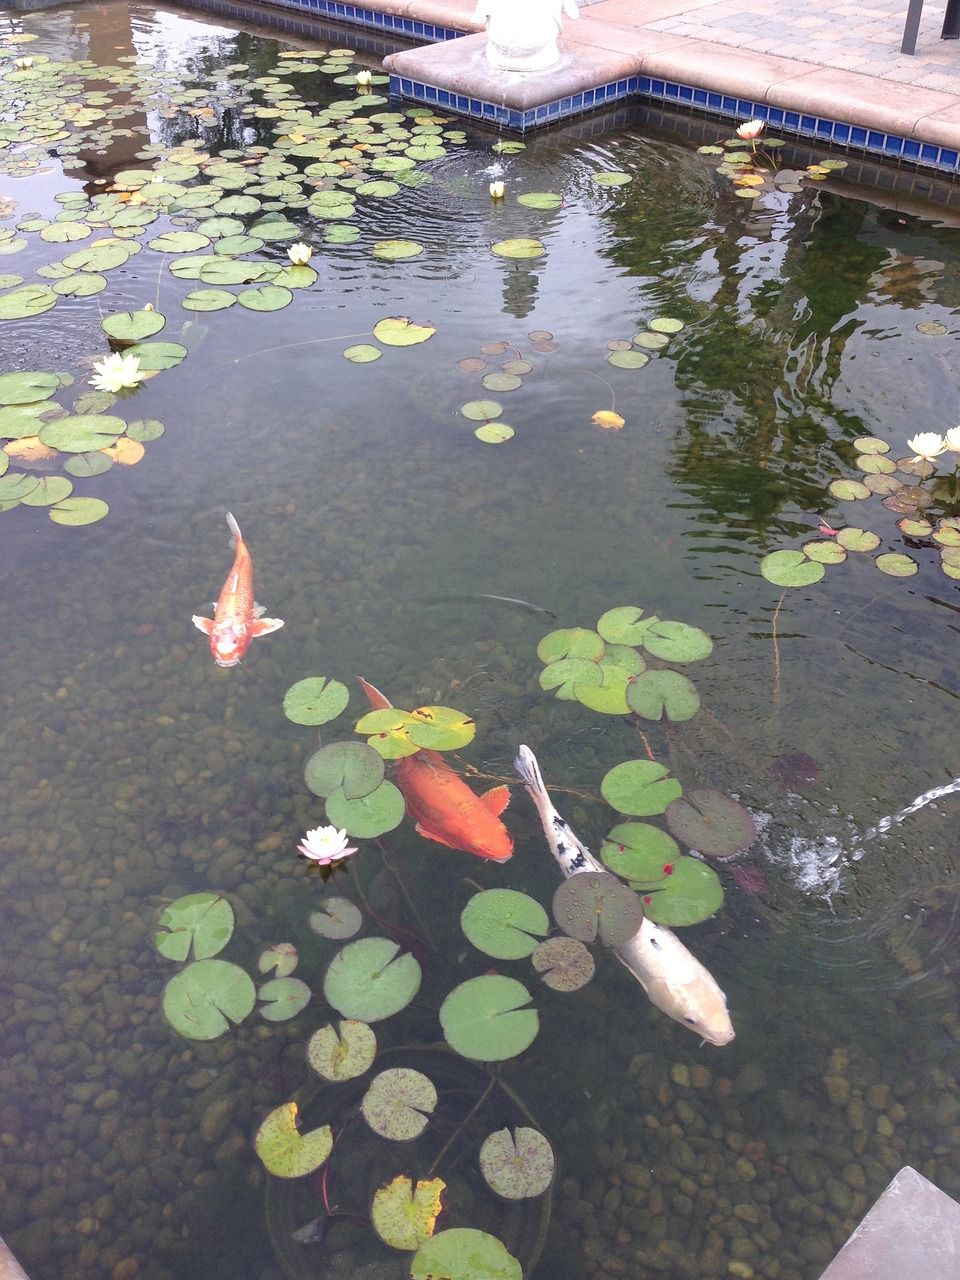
[29, 449]
[127, 452]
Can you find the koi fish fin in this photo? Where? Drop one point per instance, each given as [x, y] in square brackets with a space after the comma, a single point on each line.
[259, 610]
[435, 836]
[203, 624]
[376, 699]
[496, 799]
[263, 626]
[236, 535]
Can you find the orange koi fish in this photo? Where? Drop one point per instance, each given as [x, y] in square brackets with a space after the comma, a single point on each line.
[236, 618]
[444, 807]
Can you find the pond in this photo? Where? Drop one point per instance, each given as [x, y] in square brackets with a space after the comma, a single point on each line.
[525, 458]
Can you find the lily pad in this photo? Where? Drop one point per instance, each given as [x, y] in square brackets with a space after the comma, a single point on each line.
[25, 388]
[790, 569]
[691, 893]
[665, 324]
[624, 625]
[284, 1150]
[501, 382]
[353, 766]
[265, 297]
[28, 300]
[78, 511]
[639, 851]
[871, 444]
[848, 490]
[401, 331]
[158, 355]
[342, 1054]
[824, 551]
[204, 921]
[519, 247]
[570, 675]
[676, 641]
[462, 1253]
[481, 410]
[663, 693]
[571, 642]
[132, 326]
[494, 433]
[208, 300]
[594, 905]
[202, 1000]
[394, 250]
[628, 359]
[897, 565]
[337, 918]
[284, 998]
[611, 178]
[640, 788]
[315, 701]
[47, 491]
[504, 923]
[404, 1215]
[440, 728]
[540, 200]
[854, 539]
[565, 963]
[369, 815]
[714, 824]
[609, 696]
[518, 1165]
[370, 980]
[82, 433]
[399, 1103]
[362, 353]
[487, 1018]
[84, 465]
[282, 958]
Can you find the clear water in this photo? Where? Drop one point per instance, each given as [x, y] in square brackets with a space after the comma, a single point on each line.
[134, 770]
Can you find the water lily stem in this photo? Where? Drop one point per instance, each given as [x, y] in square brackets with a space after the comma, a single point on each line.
[494, 1077]
[307, 342]
[613, 394]
[776, 654]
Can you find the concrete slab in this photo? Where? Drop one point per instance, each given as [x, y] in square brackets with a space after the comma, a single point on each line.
[10, 1268]
[911, 1233]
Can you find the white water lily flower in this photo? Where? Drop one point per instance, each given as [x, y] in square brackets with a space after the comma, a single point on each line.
[325, 846]
[364, 77]
[299, 253]
[927, 446]
[23, 64]
[497, 189]
[952, 439]
[751, 130]
[115, 372]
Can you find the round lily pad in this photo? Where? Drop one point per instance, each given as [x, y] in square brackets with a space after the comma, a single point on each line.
[404, 1215]
[651, 341]
[663, 693]
[202, 1000]
[540, 200]
[481, 410]
[870, 444]
[461, 1253]
[369, 815]
[611, 178]
[370, 980]
[714, 824]
[283, 998]
[265, 297]
[639, 851]
[362, 353]
[27, 300]
[569, 674]
[208, 300]
[609, 696]
[517, 1165]
[342, 1054]
[47, 491]
[354, 766]
[501, 381]
[520, 247]
[25, 388]
[488, 1018]
[595, 905]
[132, 326]
[204, 921]
[676, 641]
[565, 963]
[401, 331]
[337, 918]
[394, 250]
[504, 923]
[82, 432]
[315, 701]
[624, 625]
[665, 324]
[848, 490]
[896, 565]
[284, 1150]
[179, 242]
[78, 511]
[282, 958]
[824, 551]
[494, 433]
[158, 355]
[640, 788]
[854, 539]
[399, 1103]
[691, 893]
[440, 728]
[628, 359]
[84, 465]
[790, 569]
[571, 642]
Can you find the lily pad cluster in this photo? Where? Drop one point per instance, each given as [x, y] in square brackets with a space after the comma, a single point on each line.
[754, 172]
[635, 352]
[510, 925]
[394, 733]
[507, 376]
[208, 996]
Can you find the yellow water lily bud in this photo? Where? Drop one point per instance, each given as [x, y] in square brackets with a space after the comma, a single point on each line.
[497, 189]
[364, 78]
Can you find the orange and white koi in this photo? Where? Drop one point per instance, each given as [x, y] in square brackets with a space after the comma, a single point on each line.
[443, 806]
[236, 618]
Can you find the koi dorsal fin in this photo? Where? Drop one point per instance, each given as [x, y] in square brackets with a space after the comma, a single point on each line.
[496, 799]
[376, 699]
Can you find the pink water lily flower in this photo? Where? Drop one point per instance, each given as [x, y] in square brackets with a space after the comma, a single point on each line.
[325, 846]
[751, 130]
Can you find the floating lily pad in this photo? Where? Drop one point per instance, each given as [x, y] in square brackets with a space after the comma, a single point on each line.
[501, 382]
[691, 893]
[540, 200]
[494, 433]
[25, 388]
[517, 1165]
[628, 359]
[132, 326]
[665, 324]
[854, 539]
[315, 701]
[441, 728]
[28, 300]
[369, 815]
[202, 1000]
[47, 491]
[848, 490]
[362, 353]
[569, 674]
[609, 696]
[78, 511]
[84, 465]
[400, 331]
[824, 551]
[284, 1150]
[284, 998]
[370, 980]
[265, 297]
[462, 1253]
[611, 178]
[481, 410]
[651, 341]
[676, 641]
[640, 788]
[82, 433]
[158, 355]
[394, 250]
[638, 851]
[487, 1018]
[399, 1103]
[790, 569]
[571, 642]
[282, 958]
[179, 242]
[343, 1054]
[204, 921]
[504, 923]
[875, 464]
[624, 625]
[208, 300]
[404, 1215]
[519, 247]
[594, 905]
[932, 328]
[896, 565]
[84, 284]
[565, 963]
[662, 693]
[337, 918]
[714, 824]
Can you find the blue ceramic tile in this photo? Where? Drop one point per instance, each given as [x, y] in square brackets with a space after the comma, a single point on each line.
[728, 104]
[949, 158]
[875, 139]
[858, 136]
[700, 97]
[824, 128]
[911, 149]
[929, 152]
[893, 145]
[841, 132]
[714, 101]
[686, 93]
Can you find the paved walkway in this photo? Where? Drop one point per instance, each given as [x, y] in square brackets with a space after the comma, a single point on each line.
[834, 58]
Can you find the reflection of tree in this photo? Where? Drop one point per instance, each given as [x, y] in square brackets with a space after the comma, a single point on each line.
[521, 286]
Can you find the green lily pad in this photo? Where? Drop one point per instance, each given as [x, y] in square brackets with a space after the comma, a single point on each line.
[461, 1253]
[282, 958]
[145, 429]
[609, 696]
[132, 326]
[487, 1019]
[179, 242]
[362, 353]
[628, 359]
[366, 816]
[400, 331]
[662, 693]
[440, 728]
[640, 788]
[369, 980]
[84, 465]
[876, 464]
[78, 511]
[501, 382]
[393, 250]
[714, 824]
[569, 674]
[594, 905]
[676, 641]
[265, 297]
[870, 444]
[342, 1055]
[404, 1216]
[824, 551]
[624, 625]
[399, 1103]
[571, 642]
[315, 701]
[540, 200]
[691, 893]
[353, 767]
[25, 388]
[494, 433]
[100, 257]
[896, 565]
[848, 490]
[854, 539]
[665, 324]
[284, 998]
[234, 246]
[82, 433]
[790, 569]
[158, 355]
[519, 247]
[94, 402]
[337, 918]
[481, 410]
[611, 178]
[204, 921]
[639, 851]
[284, 1150]
[208, 300]
[47, 491]
[650, 341]
[517, 1165]
[504, 923]
[565, 963]
[83, 284]
[18, 420]
[27, 300]
[202, 1000]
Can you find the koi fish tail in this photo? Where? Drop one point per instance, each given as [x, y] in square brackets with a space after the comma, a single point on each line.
[376, 699]
[236, 535]
[529, 771]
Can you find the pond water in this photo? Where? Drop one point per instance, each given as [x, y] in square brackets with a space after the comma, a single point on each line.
[397, 545]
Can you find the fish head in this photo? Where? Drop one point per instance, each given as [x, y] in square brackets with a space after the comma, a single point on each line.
[699, 1005]
[228, 643]
[495, 845]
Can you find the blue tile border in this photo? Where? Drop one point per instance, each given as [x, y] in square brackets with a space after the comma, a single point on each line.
[357, 15]
[510, 117]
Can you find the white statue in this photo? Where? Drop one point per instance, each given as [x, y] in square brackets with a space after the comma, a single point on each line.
[522, 34]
